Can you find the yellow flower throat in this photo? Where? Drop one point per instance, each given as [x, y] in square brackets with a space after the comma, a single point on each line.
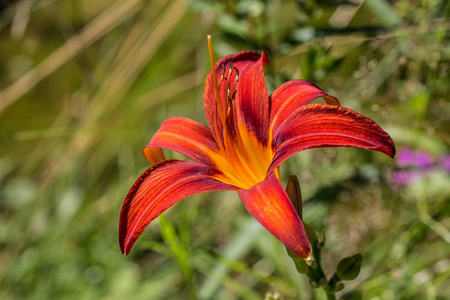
[242, 157]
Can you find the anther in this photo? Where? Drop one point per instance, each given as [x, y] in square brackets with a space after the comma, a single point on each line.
[236, 79]
[234, 94]
[223, 73]
[231, 99]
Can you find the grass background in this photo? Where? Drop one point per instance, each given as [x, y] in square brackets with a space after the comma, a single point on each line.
[85, 84]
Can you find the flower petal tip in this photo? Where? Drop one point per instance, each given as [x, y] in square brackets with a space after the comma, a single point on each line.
[157, 189]
[265, 58]
[123, 248]
[269, 204]
[388, 146]
[153, 155]
[303, 251]
[331, 100]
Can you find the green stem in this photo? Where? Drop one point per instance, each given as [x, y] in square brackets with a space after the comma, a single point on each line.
[331, 297]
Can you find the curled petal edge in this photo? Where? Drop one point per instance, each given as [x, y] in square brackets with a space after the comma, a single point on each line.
[323, 125]
[157, 189]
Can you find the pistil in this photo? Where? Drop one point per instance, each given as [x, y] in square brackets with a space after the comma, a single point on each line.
[244, 159]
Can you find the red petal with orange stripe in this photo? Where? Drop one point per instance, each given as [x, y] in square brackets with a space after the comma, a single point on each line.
[250, 135]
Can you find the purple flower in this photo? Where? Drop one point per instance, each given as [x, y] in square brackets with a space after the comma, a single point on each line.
[418, 159]
[405, 178]
[445, 162]
[405, 158]
[423, 160]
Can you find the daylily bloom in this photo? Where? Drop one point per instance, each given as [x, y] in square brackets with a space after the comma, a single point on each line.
[250, 135]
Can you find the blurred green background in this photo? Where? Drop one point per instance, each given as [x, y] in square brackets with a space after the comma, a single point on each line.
[85, 84]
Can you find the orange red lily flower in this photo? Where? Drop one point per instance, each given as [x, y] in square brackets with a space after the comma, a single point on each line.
[250, 135]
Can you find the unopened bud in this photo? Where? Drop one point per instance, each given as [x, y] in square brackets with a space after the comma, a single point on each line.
[349, 267]
[295, 194]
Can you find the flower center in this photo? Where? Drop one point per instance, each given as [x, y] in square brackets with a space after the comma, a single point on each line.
[243, 158]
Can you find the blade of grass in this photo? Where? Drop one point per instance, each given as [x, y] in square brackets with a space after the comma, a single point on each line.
[126, 72]
[181, 254]
[236, 248]
[383, 10]
[117, 84]
[171, 88]
[104, 23]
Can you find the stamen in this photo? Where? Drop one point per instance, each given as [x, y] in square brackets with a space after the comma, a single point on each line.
[245, 161]
[236, 80]
[216, 86]
[222, 77]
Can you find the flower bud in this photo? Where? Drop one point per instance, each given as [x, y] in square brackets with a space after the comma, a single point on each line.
[349, 267]
[295, 194]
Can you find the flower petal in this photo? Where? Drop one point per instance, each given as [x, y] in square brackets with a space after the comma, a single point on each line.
[153, 155]
[158, 188]
[249, 60]
[252, 100]
[187, 137]
[292, 95]
[270, 205]
[323, 125]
